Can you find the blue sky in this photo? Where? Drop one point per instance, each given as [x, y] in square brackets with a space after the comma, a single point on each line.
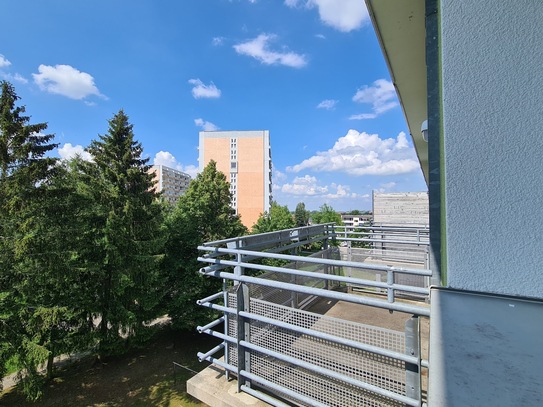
[309, 71]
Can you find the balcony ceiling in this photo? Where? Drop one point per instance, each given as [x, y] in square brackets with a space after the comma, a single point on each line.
[400, 28]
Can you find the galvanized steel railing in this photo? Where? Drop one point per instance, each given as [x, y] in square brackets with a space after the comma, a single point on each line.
[281, 351]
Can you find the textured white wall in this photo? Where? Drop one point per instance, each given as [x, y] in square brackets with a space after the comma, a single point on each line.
[492, 72]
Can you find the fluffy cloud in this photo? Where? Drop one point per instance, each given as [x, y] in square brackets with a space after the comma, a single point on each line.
[343, 15]
[327, 104]
[4, 61]
[216, 41]
[68, 151]
[381, 96]
[202, 91]
[166, 158]
[307, 186]
[258, 48]
[206, 126]
[363, 154]
[66, 81]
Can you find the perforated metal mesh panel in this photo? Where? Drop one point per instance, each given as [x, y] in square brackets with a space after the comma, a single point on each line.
[377, 370]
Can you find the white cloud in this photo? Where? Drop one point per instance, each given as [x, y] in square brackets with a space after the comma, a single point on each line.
[321, 36]
[258, 48]
[68, 151]
[166, 158]
[217, 41]
[206, 126]
[308, 186]
[381, 96]
[327, 104]
[4, 61]
[66, 81]
[363, 154]
[202, 91]
[343, 15]
[13, 78]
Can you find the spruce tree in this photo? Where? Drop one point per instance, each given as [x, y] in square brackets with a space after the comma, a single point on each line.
[26, 317]
[127, 233]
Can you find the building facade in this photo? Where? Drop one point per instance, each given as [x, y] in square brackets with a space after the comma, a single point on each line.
[170, 182]
[245, 158]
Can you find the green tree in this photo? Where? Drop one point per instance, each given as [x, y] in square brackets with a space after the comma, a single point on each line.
[27, 318]
[125, 227]
[203, 214]
[326, 214]
[278, 218]
[301, 215]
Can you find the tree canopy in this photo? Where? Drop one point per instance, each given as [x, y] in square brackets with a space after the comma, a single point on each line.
[326, 214]
[203, 213]
[278, 218]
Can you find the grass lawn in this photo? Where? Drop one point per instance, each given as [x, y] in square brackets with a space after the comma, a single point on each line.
[143, 377]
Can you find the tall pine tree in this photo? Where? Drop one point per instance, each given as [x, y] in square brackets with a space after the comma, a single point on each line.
[28, 314]
[127, 233]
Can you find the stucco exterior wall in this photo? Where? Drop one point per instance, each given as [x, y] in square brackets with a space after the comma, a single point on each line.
[492, 109]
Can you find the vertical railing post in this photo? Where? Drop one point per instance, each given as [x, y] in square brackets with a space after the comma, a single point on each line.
[412, 348]
[243, 334]
[390, 283]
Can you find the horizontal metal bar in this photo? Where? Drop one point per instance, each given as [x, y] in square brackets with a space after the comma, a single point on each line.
[381, 241]
[332, 338]
[424, 363]
[241, 238]
[211, 297]
[321, 276]
[356, 299]
[219, 335]
[211, 352]
[282, 389]
[341, 263]
[330, 373]
[212, 324]
[264, 397]
[214, 306]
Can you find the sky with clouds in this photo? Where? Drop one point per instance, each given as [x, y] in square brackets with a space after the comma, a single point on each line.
[309, 71]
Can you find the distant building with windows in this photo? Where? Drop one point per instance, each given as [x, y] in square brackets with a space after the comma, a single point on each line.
[245, 158]
[170, 182]
[354, 221]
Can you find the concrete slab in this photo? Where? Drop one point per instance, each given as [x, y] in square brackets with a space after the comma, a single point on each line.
[211, 387]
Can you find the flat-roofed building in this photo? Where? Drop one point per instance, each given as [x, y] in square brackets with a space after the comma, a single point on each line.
[171, 182]
[245, 158]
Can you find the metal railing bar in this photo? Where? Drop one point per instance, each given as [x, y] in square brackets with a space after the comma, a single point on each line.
[211, 352]
[341, 263]
[281, 389]
[332, 338]
[264, 397]
[212, 297]
[327, 226]
[395, 306]
[212, 324]
[330, 373]
[400, 242]
[219, 335]
[320, 276]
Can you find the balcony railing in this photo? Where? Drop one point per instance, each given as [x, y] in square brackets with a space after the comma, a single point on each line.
[281, 338]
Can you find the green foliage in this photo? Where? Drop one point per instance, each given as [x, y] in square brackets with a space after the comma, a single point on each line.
[33, 326]
[203, 214]
[278, 218]
[126, 236]
[301, 215]
[326, 214]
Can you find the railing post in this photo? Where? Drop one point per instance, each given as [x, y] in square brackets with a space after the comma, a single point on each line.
[243, 334]
[412, 371]
[390, 283]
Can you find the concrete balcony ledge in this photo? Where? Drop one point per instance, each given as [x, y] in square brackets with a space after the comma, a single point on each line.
[211, 387]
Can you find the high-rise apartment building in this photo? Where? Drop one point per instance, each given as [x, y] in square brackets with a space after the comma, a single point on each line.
[245, 158]
[172, 183]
